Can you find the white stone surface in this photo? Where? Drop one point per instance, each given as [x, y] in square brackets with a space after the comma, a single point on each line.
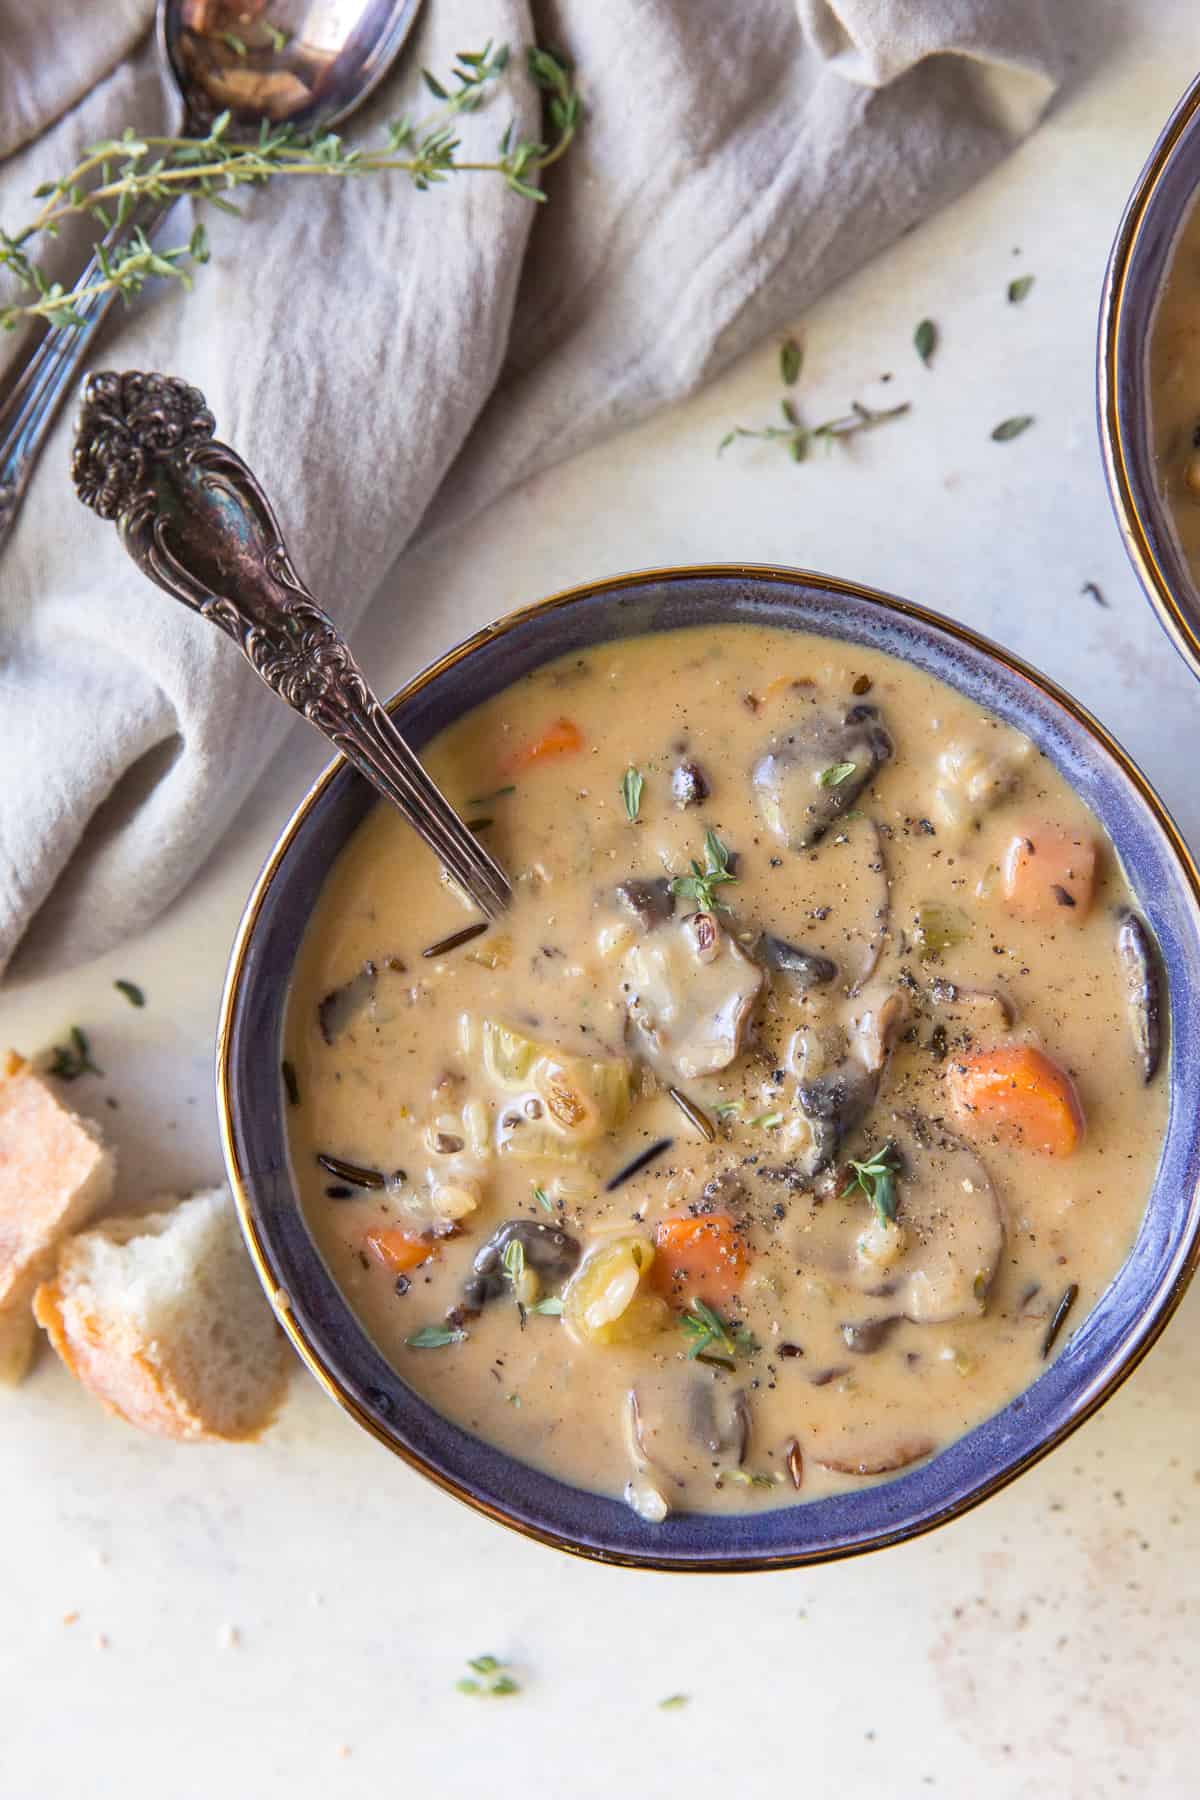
[290, 1620]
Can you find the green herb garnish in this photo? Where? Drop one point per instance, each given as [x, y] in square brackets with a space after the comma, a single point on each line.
[69, 1061]
[745, 1478]
[551, 1306]
[836, 773]
[279, 39]
[632, 783]
[791, 359]
[699, 885]
[110, 178]
[1018, 289]
[132, 992]
[435, 1337]
[710, 1339]
[877, 1179]
[513, 1260]
[491, 1678]
[673, 1702]
[1011, 428]
[798, 439]
[768, 1120]
[925, 340]
[543, 1199]
[728, 1106]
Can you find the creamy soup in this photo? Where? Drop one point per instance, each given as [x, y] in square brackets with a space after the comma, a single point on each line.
[1175, 389]
[799, 1110]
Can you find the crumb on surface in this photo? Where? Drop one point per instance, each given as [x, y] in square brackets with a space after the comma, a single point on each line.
[343, 1751]
[101, 1640]
[231, 1637]
[70, 1618]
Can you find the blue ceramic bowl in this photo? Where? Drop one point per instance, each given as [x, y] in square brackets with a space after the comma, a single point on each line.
[1101, 1351]
[1137, 265]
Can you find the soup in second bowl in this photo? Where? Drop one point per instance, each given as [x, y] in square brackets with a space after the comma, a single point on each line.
[798, 1111]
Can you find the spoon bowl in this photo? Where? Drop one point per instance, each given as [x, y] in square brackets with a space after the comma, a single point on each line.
[309, 64]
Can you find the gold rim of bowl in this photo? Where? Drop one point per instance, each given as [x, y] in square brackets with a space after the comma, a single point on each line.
[1113, 301]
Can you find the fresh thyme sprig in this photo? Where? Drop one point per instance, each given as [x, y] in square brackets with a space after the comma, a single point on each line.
[699, 885]
[113, 177]
[877, 1179]
[798, 439]
[710, 1339]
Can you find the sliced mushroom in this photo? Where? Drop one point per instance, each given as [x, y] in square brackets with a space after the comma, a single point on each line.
[650, 901]
[689, 991]
[882, 1457]
[689, 785]
[868, 1335]
[1138, 957]
[835, 1103]
[813, 773]
[719, 1419]
[549, 1250]
[645, 1492]
[949, 1232]
[804, 969]
[343, 1004]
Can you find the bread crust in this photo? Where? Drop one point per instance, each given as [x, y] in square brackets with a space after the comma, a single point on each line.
[129, 1375]
[55, 1173]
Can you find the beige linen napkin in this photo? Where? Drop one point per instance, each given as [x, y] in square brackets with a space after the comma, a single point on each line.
[392, 361]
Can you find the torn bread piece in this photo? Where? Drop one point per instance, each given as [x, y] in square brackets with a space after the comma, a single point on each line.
[163, 1319]
[55, 1173]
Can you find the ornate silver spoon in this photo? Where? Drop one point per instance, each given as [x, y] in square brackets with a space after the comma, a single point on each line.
[309, 66]
[194, 519]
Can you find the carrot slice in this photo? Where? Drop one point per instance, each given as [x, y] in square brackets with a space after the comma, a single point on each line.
[398, 1250]
[1018, 1095]
[702, 1259]
[562, 738]
[1050, 873]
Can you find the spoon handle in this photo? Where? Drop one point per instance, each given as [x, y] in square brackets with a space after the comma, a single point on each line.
[195, 520]
[49, 373]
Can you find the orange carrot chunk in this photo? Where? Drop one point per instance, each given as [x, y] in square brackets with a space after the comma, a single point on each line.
[699, 1259]
[1050, 873]
[1019, 1096]
[562, 738]
[398, 1250]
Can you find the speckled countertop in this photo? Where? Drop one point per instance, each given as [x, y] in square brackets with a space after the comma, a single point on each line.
[291, 1619]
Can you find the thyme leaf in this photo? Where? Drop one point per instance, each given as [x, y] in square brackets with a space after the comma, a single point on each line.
[435, 1337]
[701, 883]
[543, 1199]
[632, 783]
[836, 774]
[673, 1702]
[1011, 428]
[925, 340]
[791, 360]
[877, 1179]
[551, 1306]
[132, 992]
[1018, 289]
[491, 1679]
[69, 1061]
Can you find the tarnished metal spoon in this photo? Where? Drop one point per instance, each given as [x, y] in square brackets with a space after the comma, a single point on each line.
[304, 63]
[195, 520]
